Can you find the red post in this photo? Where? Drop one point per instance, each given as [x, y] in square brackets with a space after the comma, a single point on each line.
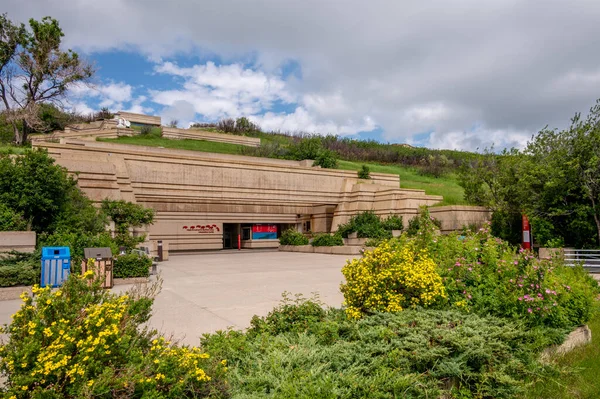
[239, 242]
[526, 233]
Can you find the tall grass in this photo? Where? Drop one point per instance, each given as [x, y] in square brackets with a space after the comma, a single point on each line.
[580, 377]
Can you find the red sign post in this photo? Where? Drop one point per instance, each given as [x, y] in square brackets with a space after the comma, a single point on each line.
[526, 233]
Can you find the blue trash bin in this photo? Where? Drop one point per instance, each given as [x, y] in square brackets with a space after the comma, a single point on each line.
[56, 266]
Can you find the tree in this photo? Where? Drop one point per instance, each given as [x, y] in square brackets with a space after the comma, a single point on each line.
[173, 123]
[34, 70]
[127, 215]
[39, 195]
[555, 181]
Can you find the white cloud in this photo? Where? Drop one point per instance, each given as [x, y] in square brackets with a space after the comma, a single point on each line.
[231, 91]
[302, 121]
[111, 95]
[411, 67]
[478, 139]
[222, 91]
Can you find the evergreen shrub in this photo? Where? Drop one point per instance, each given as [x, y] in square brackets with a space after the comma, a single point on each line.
[293, 237]
[327, 240]
[131, 265]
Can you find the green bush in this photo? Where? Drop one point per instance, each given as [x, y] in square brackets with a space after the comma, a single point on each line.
[364, 172]
[131, 265]
[326, 159]
[416, 224]
[82, 341]
[327, 240]
[411, 354]
[297, 314]
[293, 237]
[368, 225]
[19, 269]
[486, 275]
[393, 222]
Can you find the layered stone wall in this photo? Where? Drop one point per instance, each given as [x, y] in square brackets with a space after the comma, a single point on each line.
[206, 191]
[20, 241]
[196, 134]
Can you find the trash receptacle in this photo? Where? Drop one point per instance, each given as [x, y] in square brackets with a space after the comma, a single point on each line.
[103, 265]
[56, 266]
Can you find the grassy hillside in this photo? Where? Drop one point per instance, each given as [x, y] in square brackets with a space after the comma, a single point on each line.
[193, 145]
[446, 186]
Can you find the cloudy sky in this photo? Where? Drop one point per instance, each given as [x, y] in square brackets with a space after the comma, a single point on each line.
[441, 74]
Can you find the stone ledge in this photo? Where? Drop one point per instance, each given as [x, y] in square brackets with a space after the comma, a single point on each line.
[10, 293]
[580, 336]
[335, 250]
[130, 280]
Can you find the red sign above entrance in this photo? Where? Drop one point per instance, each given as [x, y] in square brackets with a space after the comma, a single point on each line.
[264, 228]
[202, 229]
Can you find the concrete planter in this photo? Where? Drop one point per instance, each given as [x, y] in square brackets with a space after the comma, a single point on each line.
[296, 248]
[336, 250]
[353, 235]
[396, 233]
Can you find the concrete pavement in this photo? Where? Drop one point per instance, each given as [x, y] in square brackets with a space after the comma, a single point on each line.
[206, 292]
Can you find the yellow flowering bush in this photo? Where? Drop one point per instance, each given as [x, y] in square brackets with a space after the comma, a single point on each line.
[81, 341]
[391, 277]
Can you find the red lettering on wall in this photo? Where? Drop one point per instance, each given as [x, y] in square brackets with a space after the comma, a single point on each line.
[202, 229]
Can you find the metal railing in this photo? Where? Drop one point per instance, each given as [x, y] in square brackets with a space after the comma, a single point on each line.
[588, 258]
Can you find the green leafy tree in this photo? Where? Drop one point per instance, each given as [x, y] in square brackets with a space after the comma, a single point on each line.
[34, 70]
[555, 180]
[44, 196]
[127, 215]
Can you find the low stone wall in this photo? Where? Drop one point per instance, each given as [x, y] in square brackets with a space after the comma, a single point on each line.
[580, 336]
[194, 134]
[22, 241]
[455, 217]
[337, 250]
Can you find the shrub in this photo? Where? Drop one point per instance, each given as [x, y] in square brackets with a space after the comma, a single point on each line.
[81, 341]
[19, 269]
[327, 240]
[145, 130]
[131, 265]
[423, 223]
[368, 225]
[297, 314]
[393, 222]
[389, 278]
[364, 172]
[326, 159]
[293, 237]
[411, 354]
[485, 275]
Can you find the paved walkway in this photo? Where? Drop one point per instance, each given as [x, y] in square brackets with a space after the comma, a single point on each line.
[206, 292]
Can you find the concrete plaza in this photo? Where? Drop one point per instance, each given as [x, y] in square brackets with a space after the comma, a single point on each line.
[206, 292]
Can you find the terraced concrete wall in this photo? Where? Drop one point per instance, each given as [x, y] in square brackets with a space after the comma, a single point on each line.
[188, 188]
[196, 134]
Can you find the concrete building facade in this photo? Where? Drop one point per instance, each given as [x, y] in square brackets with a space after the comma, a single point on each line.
[205, 201]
